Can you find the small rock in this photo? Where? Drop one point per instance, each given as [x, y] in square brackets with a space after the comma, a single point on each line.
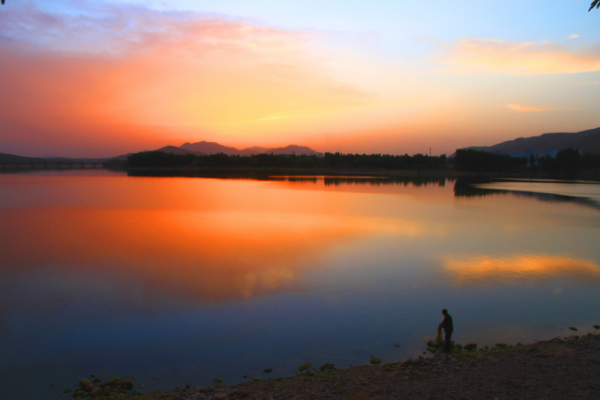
[218, 380]
[268, 370]
[142, 386]
[67, 390]
[375, 360]
[92, 375]
[573, 328]
[97, 380]
[304, 367]
[327, 366]
[127, 383]
[395, 345]
[52, 384]
[86, 385]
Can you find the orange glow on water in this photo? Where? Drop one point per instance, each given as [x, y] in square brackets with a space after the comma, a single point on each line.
[200, 239]
[202, 242]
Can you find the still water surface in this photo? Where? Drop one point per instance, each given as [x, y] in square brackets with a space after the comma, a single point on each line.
[185, 279]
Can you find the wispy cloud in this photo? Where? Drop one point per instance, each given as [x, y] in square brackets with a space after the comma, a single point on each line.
[528, 109]
[524, 109]
[473, 55]
[574, 36]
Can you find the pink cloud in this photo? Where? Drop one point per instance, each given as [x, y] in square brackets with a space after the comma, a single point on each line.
[130, 79]
[474, 55]
[527, 109]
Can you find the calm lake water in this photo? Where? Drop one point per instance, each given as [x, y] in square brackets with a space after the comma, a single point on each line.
[177, 280]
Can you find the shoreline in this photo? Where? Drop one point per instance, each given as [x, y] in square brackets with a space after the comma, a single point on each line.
[591, 175]
[550, 369]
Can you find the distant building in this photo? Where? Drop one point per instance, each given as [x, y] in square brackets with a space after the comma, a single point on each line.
[535, 153]
[518, 154]
[552, 152]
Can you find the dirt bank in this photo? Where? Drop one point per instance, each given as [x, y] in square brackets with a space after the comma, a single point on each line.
[560, 368]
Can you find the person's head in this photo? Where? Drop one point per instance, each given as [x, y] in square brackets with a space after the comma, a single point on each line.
[444, 311]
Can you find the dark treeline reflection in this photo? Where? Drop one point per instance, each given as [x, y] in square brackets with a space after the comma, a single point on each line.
[466, 187]
[404, 181]
[417, 181]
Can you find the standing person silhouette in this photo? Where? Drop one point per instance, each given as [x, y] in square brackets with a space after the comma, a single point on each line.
[448, 329]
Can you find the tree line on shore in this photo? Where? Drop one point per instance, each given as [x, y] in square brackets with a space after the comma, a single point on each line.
[159, 159]
[567, 160]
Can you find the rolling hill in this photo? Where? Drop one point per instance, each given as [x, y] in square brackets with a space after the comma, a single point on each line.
[213, 148]
[588, 141]
[179, 150]
[209, 148]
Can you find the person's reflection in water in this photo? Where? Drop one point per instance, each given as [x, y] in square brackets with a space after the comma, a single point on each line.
[448, 329]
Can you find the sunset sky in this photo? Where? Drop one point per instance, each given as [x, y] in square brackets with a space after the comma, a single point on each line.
[95, 78]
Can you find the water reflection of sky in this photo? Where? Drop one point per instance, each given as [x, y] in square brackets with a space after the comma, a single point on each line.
[186, 279]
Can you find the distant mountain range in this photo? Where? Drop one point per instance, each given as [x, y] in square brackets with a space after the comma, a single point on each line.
[588, 141]
[199, 149]
[205, 148]
[213, 148]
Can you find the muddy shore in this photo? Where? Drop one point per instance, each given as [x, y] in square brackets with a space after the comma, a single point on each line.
[559, 368]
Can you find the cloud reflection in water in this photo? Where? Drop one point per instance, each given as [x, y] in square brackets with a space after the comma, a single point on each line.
[519, 269]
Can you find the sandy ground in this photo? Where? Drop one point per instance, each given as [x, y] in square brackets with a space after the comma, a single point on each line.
[561, 368]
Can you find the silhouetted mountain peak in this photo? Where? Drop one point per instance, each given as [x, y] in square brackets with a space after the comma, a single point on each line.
[588, 141]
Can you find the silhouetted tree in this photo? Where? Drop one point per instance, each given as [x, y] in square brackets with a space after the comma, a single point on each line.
[477, 160]
[569, 159]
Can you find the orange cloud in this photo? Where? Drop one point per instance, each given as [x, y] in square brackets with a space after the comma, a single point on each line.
[519, 269]
[186, 72]
[521, 108]
[473, 55]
